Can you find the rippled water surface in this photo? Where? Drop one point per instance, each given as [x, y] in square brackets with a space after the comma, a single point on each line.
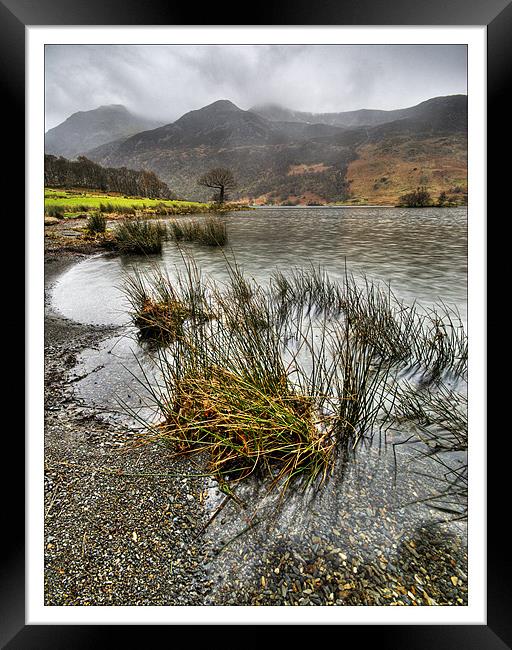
[422, 253]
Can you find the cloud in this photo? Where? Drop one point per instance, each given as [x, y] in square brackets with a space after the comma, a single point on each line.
[164, 81]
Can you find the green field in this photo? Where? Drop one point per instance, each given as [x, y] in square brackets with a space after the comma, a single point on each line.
[74, 202]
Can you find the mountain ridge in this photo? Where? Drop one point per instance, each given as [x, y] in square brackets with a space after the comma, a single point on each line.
[84, 130]
[355, 118]
[280, 161]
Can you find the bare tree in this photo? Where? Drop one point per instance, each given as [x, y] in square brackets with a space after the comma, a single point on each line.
[219, 179]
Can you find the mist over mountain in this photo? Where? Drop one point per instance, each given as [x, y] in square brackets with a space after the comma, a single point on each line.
[85, 130]
[280, 155]
[363, 117]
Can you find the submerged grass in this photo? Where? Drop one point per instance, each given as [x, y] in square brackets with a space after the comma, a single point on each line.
[438, 415]
[433, 342]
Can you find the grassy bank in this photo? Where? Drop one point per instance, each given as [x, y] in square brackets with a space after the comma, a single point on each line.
[68, 203]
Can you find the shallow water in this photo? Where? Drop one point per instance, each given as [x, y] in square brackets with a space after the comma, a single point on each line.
[422, 253]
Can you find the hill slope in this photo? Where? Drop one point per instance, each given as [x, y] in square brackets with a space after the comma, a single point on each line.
[88, 129]
[293, 161]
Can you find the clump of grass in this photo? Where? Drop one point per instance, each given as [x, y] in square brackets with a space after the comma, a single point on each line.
[245, 429]
[160, 307]
[288, 379]
[96, 223]
[140, 236]
[159, 321]
[210, 231]
[55, 211]
[82, 208]
[237, 386]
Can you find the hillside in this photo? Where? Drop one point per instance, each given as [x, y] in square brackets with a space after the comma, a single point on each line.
[88, 129]
[297, 161]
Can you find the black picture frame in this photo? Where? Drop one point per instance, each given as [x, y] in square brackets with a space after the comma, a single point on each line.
[497, 16]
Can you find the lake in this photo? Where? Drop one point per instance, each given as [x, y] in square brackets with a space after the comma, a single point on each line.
[381, 498]
[421, 253]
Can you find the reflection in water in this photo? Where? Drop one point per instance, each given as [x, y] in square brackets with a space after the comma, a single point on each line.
[422, 253]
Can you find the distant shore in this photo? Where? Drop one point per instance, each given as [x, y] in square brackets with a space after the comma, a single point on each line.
[317, 207]
[345, 206]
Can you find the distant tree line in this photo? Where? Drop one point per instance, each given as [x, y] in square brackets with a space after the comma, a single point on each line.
[421, 198]
[418, 198]
[60, 172]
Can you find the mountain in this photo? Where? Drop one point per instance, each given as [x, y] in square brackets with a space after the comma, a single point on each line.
[293, 161]
[88, 129]
[218, 125]
[222, 135]
[362, 117]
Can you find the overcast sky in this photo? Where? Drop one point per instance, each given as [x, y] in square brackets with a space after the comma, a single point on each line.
[166, 81]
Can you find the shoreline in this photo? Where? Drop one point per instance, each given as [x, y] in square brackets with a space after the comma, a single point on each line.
[331, 206]
[117, 534]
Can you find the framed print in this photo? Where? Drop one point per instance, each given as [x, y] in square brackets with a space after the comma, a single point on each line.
[256, 322]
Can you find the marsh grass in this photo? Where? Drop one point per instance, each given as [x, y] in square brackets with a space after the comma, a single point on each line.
[96, 223]
[210, 231]
[246, 428]
[140, 236]
[442, 345]
[433, 342]
[283, 380]
[440, 414]
[160, 307]
[308, 289]
[54, 211]
[254, 391]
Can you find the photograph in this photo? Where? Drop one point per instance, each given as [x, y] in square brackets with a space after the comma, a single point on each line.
[256, 324]
[257, 282]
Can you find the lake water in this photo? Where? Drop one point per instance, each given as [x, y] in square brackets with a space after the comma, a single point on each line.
[422, 253]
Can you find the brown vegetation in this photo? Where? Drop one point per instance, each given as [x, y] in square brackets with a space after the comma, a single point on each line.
[381, 174]
[298, 170]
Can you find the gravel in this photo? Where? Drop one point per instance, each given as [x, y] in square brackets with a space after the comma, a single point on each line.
[116, 533]
[125, 526]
